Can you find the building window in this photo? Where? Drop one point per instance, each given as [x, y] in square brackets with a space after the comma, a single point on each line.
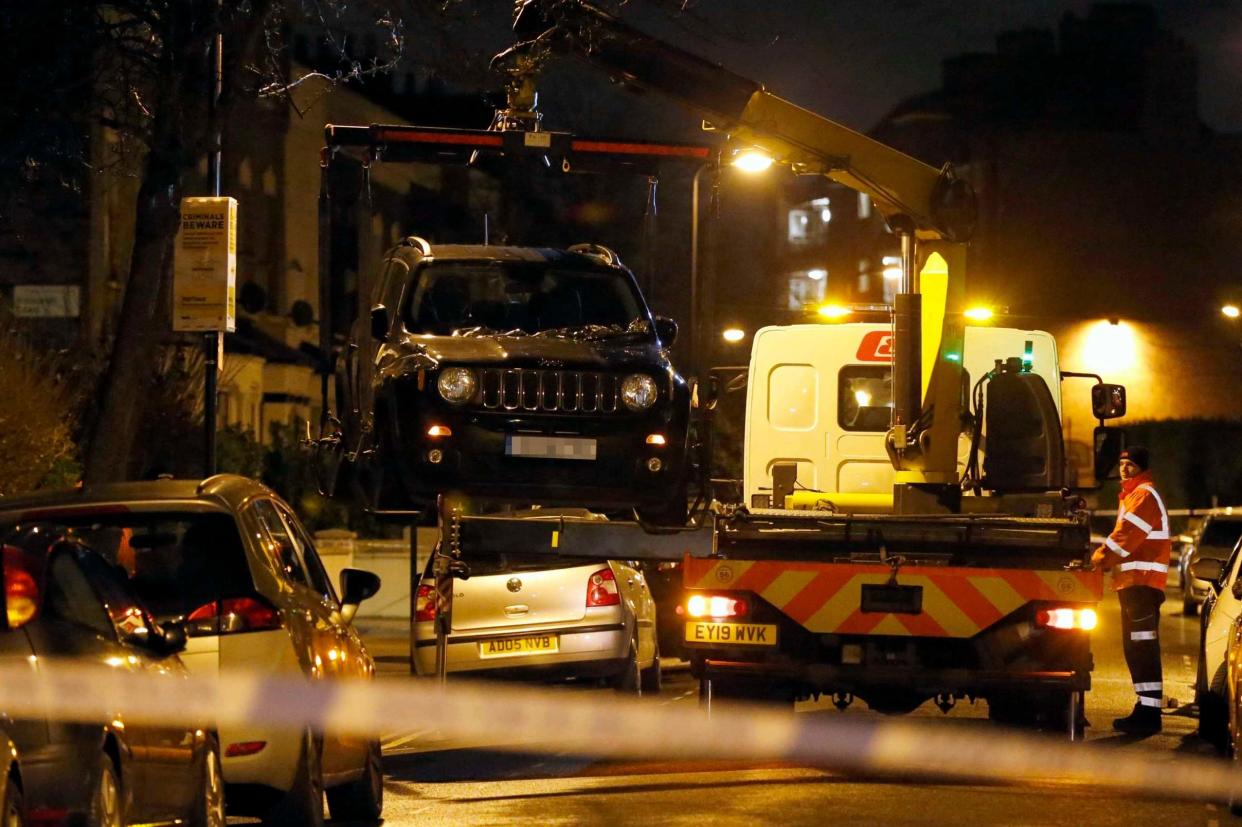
[806, 288]
[864, 206]
[808, 222]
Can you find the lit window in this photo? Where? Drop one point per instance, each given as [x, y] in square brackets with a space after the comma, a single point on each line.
[806, 289]
[864, 205]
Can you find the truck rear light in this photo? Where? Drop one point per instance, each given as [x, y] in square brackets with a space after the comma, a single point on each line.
[244, 748]
[602, 589]
[425, 603]
[234, 614]
[715, 605]
[1066, 617]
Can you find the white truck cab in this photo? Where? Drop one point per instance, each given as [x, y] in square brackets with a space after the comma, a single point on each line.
[820, 397]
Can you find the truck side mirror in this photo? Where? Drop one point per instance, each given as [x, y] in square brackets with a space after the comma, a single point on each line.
[379, 322]
[1108, 444]
[665, 330]
[1108, 401]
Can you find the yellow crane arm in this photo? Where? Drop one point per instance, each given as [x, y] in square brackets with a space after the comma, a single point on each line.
[938, 205]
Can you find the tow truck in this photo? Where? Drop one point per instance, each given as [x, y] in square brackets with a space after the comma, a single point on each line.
[935, 551]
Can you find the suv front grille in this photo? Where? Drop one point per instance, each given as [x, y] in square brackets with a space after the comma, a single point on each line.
[549, 391]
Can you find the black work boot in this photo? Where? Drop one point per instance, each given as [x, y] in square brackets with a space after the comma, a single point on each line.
[1144, 720]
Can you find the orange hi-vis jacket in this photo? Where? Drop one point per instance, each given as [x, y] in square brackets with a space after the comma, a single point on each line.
[1138, 549]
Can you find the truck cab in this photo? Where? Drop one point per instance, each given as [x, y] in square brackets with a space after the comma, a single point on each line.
[820, 399]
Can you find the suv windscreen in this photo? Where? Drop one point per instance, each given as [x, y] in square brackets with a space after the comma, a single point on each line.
[176, 562]
[1221, 535]
[522, 298]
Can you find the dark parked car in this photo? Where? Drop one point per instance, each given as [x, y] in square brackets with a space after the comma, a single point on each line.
[64, 601]
[1214, 538]
[520, 374]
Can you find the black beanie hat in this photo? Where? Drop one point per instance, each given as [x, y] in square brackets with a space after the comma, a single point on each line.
[1138, 455]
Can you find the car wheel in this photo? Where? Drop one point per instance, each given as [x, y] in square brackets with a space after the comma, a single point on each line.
[361, 800]
[652, 678]
[106, 807]
[14, 812]
[629, 680]
[302, 805]
[209, 807]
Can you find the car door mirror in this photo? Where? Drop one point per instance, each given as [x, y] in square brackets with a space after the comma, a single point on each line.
[379, 322]
[356, 586]
[170, 638]
[1108, 401]
[1209, 569]
[1109, 443]
[665, 330]
[1237, 589]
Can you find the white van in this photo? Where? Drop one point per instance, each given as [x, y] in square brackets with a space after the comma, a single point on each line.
[820, 397]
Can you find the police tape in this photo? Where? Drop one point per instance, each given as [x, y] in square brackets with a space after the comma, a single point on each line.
[553, 720]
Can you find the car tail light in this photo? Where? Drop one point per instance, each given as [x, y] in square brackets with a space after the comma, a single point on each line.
[715, 605]
[243, 748]
[1066, 617]
[235, 614]
[21, 591]
[602, 589]
[425, 603]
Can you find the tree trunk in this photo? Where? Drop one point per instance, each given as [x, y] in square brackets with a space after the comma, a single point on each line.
[128, 376]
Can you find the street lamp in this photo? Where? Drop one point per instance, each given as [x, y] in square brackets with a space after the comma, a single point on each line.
[1231, 311]
[733, 335]
[751, 161]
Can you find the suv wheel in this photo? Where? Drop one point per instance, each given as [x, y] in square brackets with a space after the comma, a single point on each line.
[363, 799]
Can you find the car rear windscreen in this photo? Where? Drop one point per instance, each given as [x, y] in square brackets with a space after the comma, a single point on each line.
[176, 562]
[1221, 534]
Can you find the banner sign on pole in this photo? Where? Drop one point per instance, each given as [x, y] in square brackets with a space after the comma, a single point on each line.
[205, 265]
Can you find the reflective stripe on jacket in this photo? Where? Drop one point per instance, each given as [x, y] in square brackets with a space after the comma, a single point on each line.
[1138, 549]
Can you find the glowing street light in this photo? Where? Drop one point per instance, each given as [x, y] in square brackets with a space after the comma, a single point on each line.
[733, 335]
[752, 160]
[1231, 311]
[978, 314]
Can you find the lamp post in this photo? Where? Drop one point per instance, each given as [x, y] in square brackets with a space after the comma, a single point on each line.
[752, 162]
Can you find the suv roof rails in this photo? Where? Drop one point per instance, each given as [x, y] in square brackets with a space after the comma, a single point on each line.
[606, 254]
[423, 245]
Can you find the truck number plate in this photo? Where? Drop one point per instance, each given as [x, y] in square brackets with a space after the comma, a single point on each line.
[734, 634]
[512, 646]
[904, 600]
[550, 447]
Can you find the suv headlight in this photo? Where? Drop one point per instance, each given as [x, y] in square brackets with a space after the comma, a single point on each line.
[639, 392]
[457, 385]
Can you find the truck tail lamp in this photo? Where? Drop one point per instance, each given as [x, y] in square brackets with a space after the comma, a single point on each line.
[1066, 617]
[715, 606]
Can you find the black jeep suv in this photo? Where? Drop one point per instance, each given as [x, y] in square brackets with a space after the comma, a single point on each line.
[517, 374]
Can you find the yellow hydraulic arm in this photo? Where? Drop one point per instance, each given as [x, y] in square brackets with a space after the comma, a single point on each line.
[931, 211]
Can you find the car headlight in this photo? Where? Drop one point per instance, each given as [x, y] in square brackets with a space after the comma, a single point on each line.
[457, 385]
[638, 392]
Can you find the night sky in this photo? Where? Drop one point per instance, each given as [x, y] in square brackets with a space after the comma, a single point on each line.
[854, 60]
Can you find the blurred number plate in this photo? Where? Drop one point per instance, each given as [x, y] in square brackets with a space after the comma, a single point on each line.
[904, 600]
[510, 647]
[550, 447]
[734, 634]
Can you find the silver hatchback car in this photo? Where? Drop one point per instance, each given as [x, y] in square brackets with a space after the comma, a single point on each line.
[527, 616]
